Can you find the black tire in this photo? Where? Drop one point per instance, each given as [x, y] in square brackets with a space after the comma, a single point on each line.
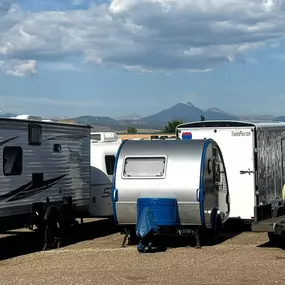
[133, 239]
[276, 240]
[51, 235]
[214, 233]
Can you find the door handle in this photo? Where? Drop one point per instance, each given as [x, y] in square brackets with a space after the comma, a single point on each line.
[198, 194]
[115, 195]
[246, 171]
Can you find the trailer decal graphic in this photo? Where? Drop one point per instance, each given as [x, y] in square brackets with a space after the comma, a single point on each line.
[7, 140]
[66, 137]
[28, 189]
[187, 136]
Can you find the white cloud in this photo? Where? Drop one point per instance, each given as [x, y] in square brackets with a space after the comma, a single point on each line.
[144, 35]
[18, 67]
[5, 5]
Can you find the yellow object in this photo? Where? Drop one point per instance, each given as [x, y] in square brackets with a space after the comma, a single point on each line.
[283, 192]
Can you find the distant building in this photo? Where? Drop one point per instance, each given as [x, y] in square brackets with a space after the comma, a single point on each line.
[147, 136]
[104, 137]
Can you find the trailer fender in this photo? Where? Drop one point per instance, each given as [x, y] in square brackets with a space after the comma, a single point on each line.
[278, 201]
[52, 213]
[277, 206]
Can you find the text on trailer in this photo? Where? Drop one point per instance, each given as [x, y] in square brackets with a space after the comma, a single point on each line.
[240, 134]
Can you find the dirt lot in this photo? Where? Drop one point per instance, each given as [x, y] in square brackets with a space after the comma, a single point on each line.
[95, 257]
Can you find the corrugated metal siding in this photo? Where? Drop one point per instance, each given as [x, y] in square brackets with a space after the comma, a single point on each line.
[42, 159]
[270, 165]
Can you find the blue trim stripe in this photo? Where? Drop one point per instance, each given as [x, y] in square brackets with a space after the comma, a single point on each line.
[201, 186]
[114, 190]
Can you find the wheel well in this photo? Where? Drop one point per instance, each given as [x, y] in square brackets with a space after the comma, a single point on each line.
[53, 214]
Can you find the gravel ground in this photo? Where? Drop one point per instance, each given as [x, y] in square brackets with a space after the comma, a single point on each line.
[99, 259]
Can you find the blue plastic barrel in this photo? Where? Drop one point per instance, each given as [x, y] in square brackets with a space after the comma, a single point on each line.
[165, 210]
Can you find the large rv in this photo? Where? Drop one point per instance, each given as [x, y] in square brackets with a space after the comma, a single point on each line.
[44, 175]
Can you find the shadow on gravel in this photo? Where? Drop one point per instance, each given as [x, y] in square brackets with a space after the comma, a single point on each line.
[279, 244]
[231, 229]
[21, 243]
[271, 245]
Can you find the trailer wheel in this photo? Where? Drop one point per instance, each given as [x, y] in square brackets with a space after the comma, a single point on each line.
[217, 229]
[132, 239]
[52, 228]
[51, 235]
[214, 233]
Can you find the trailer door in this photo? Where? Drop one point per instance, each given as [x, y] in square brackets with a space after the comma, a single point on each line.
[237, 146]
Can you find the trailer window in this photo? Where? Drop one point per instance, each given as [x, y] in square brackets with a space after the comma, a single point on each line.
[96, 137]
[144, 167]
[35, 134]
[12, 160]
[110, 164]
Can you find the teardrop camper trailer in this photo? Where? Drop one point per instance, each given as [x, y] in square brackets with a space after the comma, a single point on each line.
[183, 183]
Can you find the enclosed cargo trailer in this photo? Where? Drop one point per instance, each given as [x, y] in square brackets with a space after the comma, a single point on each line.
[254, 154]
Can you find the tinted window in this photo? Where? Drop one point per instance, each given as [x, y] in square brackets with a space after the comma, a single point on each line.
[12, 160]
[96, 137]
[110, 164]
[35, 134]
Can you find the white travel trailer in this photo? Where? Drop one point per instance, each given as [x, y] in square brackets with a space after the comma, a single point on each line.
[104, 137]
[183, 182]
[254, 154]
[102, 168]
[45, 173]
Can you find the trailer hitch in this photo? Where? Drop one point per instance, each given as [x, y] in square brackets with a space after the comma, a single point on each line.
[246, 171]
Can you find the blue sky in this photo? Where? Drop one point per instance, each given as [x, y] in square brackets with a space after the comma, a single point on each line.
[119, 57]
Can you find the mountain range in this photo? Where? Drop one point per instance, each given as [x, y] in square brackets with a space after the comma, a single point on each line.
[185, 112]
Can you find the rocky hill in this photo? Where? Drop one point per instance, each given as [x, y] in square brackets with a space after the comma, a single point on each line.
[185, 112]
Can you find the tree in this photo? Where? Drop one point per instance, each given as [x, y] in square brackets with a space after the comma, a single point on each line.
[132, 130]
[202, 118]
[171, 126]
